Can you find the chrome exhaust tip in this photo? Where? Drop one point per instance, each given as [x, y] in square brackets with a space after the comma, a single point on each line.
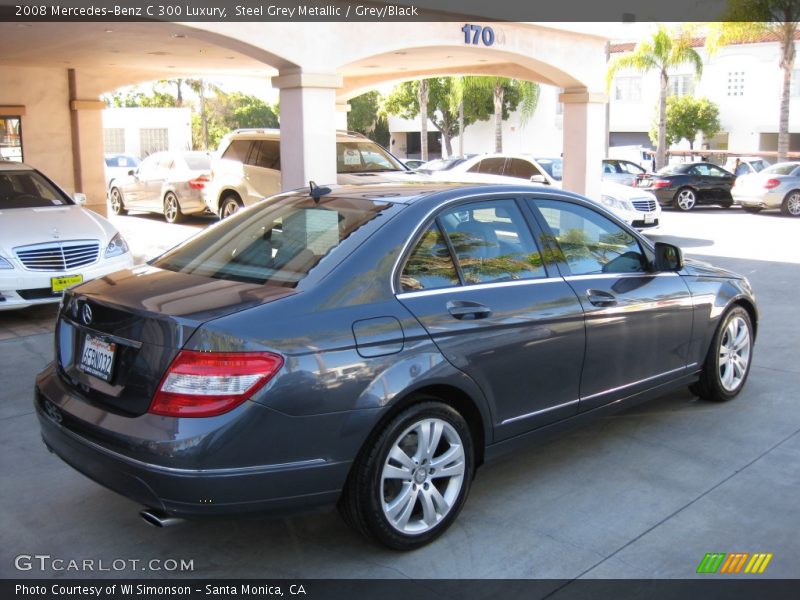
[157, 518]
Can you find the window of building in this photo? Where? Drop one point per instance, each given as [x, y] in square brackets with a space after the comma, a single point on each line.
[11, 138]
[735, 83]
[681, 85]
[114, 140]
[628, 89]
[153, 140]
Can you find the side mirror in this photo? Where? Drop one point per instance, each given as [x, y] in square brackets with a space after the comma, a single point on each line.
[80, 199]
[539, 179]
[131, 173]
[668, 257]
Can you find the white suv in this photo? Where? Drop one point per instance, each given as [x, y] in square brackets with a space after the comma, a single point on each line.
[247, 167]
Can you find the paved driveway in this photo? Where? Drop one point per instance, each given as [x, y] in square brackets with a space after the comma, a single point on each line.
[642, 494]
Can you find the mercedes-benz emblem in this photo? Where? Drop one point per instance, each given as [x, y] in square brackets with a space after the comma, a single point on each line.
[86, 314]
[56, 233]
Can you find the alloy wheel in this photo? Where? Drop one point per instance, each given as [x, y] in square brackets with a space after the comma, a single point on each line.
[116, 201]
[422, 476]
[734, 354]
[793, 204]
[686, 199]
[171, 209]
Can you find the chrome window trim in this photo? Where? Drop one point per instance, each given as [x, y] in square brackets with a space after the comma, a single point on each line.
[513, 194]
[620, 275]
[474, 287]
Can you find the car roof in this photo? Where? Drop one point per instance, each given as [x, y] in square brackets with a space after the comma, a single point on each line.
[9, 165]
[274, 134]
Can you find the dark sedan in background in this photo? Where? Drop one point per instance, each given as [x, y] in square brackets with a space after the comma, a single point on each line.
[169, 183]
[372, 345]
[684, 186]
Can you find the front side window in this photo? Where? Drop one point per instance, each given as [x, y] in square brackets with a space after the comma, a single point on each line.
[430, 265]
[521, 168]
[492, 242]
[591, 243]
[269, 154]
[277, 242]
[489, 166]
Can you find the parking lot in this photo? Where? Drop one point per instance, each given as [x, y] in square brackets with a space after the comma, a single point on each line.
[643, 494]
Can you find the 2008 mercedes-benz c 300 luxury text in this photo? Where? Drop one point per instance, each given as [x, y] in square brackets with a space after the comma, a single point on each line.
[371, 346]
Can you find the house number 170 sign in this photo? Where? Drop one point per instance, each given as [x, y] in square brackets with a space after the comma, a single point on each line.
[477, 34]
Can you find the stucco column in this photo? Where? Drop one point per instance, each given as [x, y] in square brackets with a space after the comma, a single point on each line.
[308, 127]
[584, 146]
[86, 125]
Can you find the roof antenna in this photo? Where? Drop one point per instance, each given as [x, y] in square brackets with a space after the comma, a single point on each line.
[317, 192]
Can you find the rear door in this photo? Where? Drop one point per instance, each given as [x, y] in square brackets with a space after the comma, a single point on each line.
[480, 285]
[638, 322]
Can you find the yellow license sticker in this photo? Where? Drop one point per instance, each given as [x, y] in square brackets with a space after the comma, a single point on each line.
[59, 284]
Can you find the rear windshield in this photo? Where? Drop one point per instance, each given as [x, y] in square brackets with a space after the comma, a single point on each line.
[198, 161]
[364, 157]
[277, 242]
[28, 189]
[674, 169]
[781, 169]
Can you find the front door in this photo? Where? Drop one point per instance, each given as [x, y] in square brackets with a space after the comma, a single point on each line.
[638, 321]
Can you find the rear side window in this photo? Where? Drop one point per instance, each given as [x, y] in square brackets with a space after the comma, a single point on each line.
[267, 154]
[430, 265]
[521, 168]
[237, 150]
[276, 242]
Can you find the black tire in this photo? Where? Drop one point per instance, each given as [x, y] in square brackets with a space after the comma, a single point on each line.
[711, 385]
[172, 208]
[685, 199]
[791, 204]
[230, 205]
[368, 496]
[752, 209]
[117, 202]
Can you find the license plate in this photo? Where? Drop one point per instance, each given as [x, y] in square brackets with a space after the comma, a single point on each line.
[650, 218]
[59, 284]
[97, 357]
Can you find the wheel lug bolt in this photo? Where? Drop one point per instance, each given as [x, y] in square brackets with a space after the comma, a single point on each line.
[427, 485]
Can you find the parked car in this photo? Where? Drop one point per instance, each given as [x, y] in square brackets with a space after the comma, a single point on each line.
[636, 207]
[623, 172]
[744, 165]
[371, 346]
[684, 186]
[443, 164]
[169, 183]
[413, 163]
[48, 242]
[247, 167]
[777, 186]
[118, 166]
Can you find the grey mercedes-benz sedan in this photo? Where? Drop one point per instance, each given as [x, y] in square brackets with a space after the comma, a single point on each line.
[371, 346]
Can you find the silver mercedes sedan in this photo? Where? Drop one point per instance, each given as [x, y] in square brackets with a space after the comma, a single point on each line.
[777, 186]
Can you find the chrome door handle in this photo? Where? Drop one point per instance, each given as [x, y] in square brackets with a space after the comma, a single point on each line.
[468, 310]
[601, 298]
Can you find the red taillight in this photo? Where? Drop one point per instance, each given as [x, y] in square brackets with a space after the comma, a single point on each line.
[198, 183]
[660, 183]
[205, 384]
[771, 183]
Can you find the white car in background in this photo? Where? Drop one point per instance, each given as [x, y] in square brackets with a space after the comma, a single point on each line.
[638, 208]
[48, 242]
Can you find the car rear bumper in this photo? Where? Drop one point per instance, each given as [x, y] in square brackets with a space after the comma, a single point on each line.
[188, 490]
[760, 199]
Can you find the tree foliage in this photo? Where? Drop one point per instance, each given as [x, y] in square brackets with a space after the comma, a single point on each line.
[367, 116]
[478, 102]
[223, 111]
[662, 51]
[686, 117]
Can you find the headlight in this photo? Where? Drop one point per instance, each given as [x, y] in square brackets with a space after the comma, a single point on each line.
[613, 203]
[117, 246]
[5, 263]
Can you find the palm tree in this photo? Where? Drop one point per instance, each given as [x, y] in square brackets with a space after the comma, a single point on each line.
[422, 96]
[662, 51]
[529, 98]
[455, 101]
[773, 20]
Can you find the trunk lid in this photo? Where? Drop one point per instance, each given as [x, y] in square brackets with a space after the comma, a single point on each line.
[117, 335]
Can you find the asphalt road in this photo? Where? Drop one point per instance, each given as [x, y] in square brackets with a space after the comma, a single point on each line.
[643, 494]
